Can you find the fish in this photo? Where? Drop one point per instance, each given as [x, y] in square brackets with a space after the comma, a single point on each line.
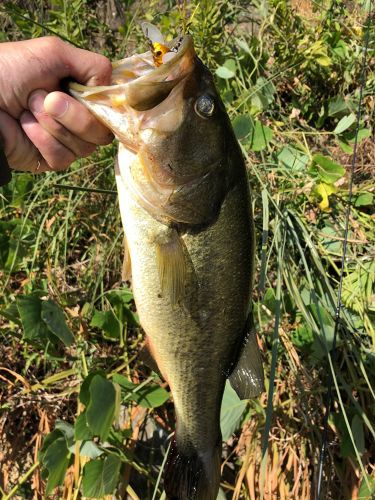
[186, 211]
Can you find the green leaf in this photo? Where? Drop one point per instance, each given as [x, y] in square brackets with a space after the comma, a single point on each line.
[338, 106]
[231, 412]
[148, 396]
[327, 170]
[121, 296]
[66, 429]
[261, 136]
[363, 133]
[101, 408]
[108, 322]
[269, 299]
[84, 393]
[344, 123]
[293, 158]
[11, 313]
[30, 309]
[330, 240]
[54, 318]
[367, 488]
[358, 434]
[82, 431]
[100, 477]
[362, 200]
[22, 186]
[302, 336]
[242, 126]
[90, 449]
[345, 147]
[227, 70]
[56, 461]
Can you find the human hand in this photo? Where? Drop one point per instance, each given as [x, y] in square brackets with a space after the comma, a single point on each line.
[42, 128]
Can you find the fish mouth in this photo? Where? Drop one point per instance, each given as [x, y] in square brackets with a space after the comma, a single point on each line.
[139, 82]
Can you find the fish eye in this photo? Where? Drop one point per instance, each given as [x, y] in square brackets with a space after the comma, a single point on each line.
[204, 106]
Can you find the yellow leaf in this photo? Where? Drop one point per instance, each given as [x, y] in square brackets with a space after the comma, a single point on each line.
[324, 61]
[324, 190]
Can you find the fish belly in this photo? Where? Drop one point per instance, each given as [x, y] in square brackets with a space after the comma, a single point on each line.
[193, 341]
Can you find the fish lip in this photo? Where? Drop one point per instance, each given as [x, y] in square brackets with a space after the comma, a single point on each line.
[155, 74]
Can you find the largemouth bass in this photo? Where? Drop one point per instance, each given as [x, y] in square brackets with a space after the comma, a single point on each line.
[186, 211]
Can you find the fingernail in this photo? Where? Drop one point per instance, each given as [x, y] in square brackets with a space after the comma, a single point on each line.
[36, 102]
[57, 107]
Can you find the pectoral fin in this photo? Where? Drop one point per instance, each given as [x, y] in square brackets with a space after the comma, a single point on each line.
[171, 265]
[247, 377]
[126, 264]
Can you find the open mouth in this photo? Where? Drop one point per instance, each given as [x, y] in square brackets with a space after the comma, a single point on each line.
[143, 80]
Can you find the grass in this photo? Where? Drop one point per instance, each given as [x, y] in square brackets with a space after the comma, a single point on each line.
[288, 73]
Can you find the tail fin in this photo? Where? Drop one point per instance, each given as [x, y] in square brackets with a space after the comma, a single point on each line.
[192, 476]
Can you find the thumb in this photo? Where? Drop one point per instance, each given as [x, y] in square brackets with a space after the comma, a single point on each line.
[87, 68]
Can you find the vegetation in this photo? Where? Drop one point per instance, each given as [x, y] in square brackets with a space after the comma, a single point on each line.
[79, 410]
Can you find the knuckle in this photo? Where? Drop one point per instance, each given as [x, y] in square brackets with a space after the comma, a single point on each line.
[107, 139]
[106, 67]
[87, 150]
[60, 163]
[53, 42]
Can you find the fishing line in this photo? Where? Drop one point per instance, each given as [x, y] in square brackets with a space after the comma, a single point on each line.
[85, 190]
[329, 393]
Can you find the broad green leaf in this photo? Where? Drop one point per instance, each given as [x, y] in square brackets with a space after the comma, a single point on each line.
[367, 488]
[363, 133]
[84, 393]
[330, 240]
[293, 158]
[101, 408]
[53, 317]
[345, 147]
[358, 434]
[227, 70]
[344, 123]
[11, 313]
[100, 477]
[231, 412]
[327, 170]
[243, 45]
[324, 191]
[30, 309]
[261, 135]
[90, 449]
[338, 106]
[108, 322]
[120, 296]
[242, 126]
[19, 242]
[302, 336]
[56, 461]
[148, 396]
[66, 429]
[82, 431]
[269, 299]
[21, 188]
[362, 200]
